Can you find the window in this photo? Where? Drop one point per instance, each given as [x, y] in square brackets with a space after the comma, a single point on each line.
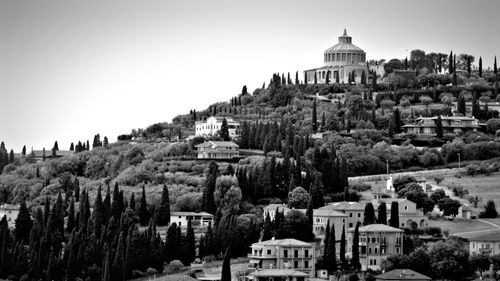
[285, 253]
[376, 250]
[306, 253]
[369, 250]
[296, 253]
[306, 264]
[382, 251]
[374, 262]
[359, 215]
[268, 252]
[350, 215]
[406, 208]
[296, 264]
[350, 224]
[397, 250]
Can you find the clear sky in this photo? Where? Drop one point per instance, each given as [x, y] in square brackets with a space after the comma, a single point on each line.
[72, 69]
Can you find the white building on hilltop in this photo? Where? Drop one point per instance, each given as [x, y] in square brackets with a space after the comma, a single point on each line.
[341, 61]
[213, 124]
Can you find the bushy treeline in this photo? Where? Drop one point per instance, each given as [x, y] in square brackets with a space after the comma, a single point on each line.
[62, 243]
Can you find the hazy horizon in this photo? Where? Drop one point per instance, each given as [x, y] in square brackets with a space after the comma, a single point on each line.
[72, 69]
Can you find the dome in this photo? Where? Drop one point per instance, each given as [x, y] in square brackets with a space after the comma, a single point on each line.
[344, 45]
[344, 52]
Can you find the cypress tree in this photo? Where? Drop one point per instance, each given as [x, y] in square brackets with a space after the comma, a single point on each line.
[70, 225]
[369, 214]
[118, 270]
[106, 206]
[23, 152]
[332, 253]
[327, 80]
[461, 105]
[267, 232]
[480, 67]
[394, 221]
[164, 210]
[224, 130]
[172, 244]
[314, 117]
[115, 204]
[131, 203]
[23, 224]
[469, 68]
[106, 268]
[343, 260]
[98, 213]
[439, 127]
[143, 212]
[326, 241]
[355, 249]
[226, 267]
[382, 213]
[297, 78]
[315, 78]
[495, 70]
[450, 63]
[208, 202]
[188, 247]
[310, 210]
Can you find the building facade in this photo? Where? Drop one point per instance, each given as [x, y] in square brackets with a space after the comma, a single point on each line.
[451, 124]
[217, 150]
[10, 211]
[354, 212]
[328, 215]
[212, 125]
[279, 275]
[340, 62]
[200, 219]
[376, 243]
[408, 212]
[488, 244]
[283, 254]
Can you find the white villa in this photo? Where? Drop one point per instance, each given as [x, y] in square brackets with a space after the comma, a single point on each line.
[213, 124]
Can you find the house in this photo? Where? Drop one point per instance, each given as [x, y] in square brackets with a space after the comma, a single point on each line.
[464, 212]
[408, 212]
[328, 215]
[213, 124]
[485, 243]
[402, 275]
[197, 219]
[376, 243]
[451, 124]
[283, 254]
[353, 210]
[10, 211]
[217, 150]
[279, 275]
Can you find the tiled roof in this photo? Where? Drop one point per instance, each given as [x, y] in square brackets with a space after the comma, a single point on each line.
[190, 214]
[377, 228]
[354, 206]
[402, 274]
[324, 212]
[217, 144]
[343, 47]
[279, 272]
[283, 242]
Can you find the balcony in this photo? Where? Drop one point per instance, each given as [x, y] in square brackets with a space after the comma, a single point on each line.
[296, 257]
[252, 256]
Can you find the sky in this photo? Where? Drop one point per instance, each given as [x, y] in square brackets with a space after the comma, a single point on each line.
[72, 69]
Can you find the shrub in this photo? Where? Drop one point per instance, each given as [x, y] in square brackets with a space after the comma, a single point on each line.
[360, 186]
[175, 265]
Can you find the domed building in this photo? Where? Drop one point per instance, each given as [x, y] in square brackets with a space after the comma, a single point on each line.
[342, 60]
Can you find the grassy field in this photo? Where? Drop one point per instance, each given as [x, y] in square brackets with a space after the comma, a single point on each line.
[459, 225]
[486, 187]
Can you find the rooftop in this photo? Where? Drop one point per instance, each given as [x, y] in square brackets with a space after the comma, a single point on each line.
[377, 228]
[217, 144]
[190, 214]
[344, 44]
[9, 207]
[402, 274]
[353, 206]
[279, 272]
[283, 242]
[328, 212]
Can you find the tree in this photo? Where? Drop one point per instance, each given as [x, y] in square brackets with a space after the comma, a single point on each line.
[355, 249]
[188, 245]
[244, 90]
[224, 130]
[343, 260]
[480, 67]
[296, 225]
[118, 268]
[439, 127]
[23, 224]
[331, 262]
[449, 260]
[474, 199]
[394, 221]
[143, 212]
[298, 198]
[226, 266]
[382, 213]
[208, 203]
[171, 249]
[450, 63]
[490, 210]
[449, 207]
[369, 214]
[164, 210]
[314, 117]
[461, 105]
[480, 263]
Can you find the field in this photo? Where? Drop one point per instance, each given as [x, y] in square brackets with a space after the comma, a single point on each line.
[459, 225]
